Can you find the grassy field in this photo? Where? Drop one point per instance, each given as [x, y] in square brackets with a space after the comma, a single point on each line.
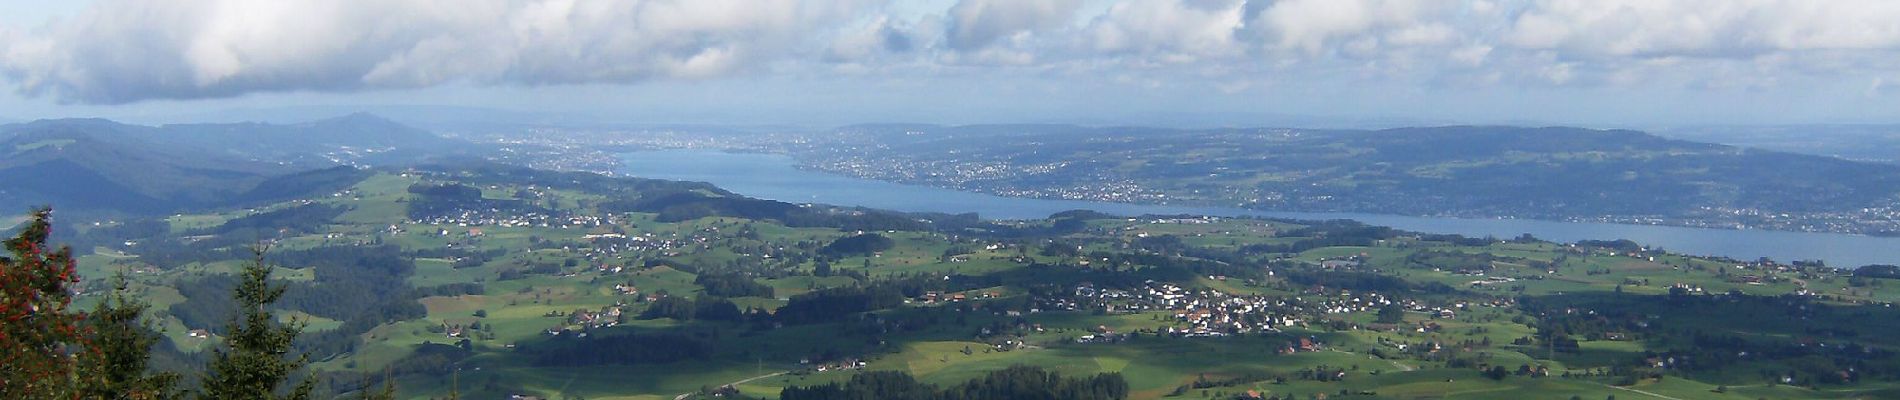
[542, 274]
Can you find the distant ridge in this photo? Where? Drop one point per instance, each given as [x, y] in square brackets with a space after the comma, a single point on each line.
[358, 138]
[1559, 173]
[98, 165]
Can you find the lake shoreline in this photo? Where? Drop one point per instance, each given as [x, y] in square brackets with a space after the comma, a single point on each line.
[778, 177]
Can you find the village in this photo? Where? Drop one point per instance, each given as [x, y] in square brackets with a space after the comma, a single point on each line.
[1213, 313]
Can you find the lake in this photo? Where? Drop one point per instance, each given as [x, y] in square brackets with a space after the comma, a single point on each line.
[776, 177]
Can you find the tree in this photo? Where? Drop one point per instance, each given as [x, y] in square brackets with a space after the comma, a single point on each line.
[387, 392]
[1497, 373]
[864, 244]
[115, 365]
[254, 362]
[34, 295]
[1391, 314]
[47, 351]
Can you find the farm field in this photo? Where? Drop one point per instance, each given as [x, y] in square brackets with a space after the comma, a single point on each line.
[551, 286]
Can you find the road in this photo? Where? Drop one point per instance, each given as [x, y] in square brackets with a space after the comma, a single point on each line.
[683, 396]
[1395, 363]
[1640, 391]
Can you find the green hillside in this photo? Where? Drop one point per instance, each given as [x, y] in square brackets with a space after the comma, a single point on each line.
[101, 167]
[496, 281]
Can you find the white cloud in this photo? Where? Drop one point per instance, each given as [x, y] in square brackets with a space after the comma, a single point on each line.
[1316, 26]
[1705, 28]
[129, 50]
[880, 35]
[976, 24]
[1169, 31]
[119, 51]
[1470, 56]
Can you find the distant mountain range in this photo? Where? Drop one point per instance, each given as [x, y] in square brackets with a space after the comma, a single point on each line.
[1862, 142]
[1468, 171]
[95, 165]
[362, 139]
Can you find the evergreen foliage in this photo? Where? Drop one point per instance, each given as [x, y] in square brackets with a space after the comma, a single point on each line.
[1016, 382]
[48, 351]
[255, 362]
[116, 365]
[864, 244]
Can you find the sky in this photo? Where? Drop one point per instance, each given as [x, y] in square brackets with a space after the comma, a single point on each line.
[1146, 62]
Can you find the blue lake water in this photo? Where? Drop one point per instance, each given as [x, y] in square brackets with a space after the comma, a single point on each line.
[776, 177]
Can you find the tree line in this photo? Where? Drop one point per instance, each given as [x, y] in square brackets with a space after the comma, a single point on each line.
[49, 350]
[1016, 382]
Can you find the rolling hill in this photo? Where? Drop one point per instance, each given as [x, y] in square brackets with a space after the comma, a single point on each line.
[493, 281]
[95, 165]
[356, 139]
[1469, 171]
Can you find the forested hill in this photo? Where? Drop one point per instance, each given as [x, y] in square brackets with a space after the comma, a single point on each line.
[101, 166]
[352, 139]
[93, 164]
[1475, 171]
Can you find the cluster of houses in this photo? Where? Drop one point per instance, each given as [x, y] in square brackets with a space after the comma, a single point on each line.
[1202, 312]
[605, 318]
[1303, 344]
[1102, 336]
[848, 364]
[609, 245]
[934, 297]
[1213, 313]
[1685, 288]
[1491, 280]
[498, 218]
[1187, 220]
[585, 320]
[612, 245]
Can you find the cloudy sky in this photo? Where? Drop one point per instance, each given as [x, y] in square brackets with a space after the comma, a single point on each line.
[1588, 62]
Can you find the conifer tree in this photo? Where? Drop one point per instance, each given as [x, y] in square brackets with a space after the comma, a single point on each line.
[115, 364]
[37, 332]
[254, 363]
[387, 392]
